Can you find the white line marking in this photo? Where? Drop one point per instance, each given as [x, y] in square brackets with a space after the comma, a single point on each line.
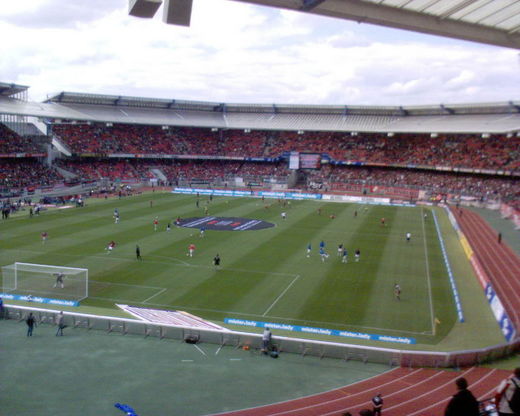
[157, 294]
[193, 308]
[235, 359]
[202, 352]
[428, 272]
[187, 361]
[281, 295]
[219, 348]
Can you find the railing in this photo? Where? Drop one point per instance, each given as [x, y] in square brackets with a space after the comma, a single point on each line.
[322, 349]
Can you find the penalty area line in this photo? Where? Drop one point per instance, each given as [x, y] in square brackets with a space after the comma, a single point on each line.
[281, 295]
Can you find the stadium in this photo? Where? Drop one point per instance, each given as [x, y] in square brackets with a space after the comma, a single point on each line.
[379, 244]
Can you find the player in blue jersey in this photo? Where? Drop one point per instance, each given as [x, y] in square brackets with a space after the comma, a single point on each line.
[322, 244]
[344, 255]
[323, 254]
[202, 231]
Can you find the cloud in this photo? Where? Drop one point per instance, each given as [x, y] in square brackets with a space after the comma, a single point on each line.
[236, 52]
[57, 13]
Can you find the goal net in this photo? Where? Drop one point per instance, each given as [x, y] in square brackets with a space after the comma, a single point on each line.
[43, 280]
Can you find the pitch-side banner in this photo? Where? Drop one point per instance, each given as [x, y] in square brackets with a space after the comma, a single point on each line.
[320, 331]
[38, 299]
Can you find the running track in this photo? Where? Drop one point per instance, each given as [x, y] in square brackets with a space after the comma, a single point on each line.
[499, 261]
[421, 392]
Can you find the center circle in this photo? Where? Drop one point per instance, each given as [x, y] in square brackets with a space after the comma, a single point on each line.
[224, 223]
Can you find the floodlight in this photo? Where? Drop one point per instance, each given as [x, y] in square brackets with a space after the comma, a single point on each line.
[177, 12]
[143, 8]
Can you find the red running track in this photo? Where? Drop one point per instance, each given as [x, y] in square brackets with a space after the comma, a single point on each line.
[406, 392]
[421, 392]
[499, 261]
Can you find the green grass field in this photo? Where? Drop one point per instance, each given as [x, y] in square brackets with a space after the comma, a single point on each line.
[264, 275]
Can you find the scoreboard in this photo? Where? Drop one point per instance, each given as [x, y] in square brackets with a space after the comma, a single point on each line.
[310, 160]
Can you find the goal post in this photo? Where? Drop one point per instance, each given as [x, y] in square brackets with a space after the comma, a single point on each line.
[57, 282]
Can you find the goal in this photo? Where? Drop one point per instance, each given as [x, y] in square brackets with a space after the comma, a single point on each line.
[57, 282]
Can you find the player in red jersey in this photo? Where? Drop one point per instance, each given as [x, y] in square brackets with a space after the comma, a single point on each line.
[191, 250]
[111, 246]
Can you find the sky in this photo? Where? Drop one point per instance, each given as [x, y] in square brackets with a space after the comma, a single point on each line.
[239, 53]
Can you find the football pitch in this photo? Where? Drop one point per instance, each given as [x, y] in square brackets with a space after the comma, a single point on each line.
[265, 274]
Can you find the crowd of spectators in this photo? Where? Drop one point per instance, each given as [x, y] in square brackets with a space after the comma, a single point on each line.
[486, 187]
[11, 142]
[461, 151]
[19, 173]
[173, 170]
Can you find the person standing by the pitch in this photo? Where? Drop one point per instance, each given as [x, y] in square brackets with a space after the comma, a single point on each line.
[31, 323]
[61, 324]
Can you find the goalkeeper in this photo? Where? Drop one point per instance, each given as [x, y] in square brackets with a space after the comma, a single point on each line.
[59, 280]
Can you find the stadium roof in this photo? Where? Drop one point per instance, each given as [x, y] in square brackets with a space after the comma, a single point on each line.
[456, 118]
[494, 22]
[8, 90]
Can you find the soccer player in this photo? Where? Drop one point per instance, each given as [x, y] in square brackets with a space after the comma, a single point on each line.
[59, 279]
[357, 254]
[44, 237]
[323, 254]
[191, 250]
[344, 258]
[216, 261]
[383, 222]
[284, 215]
[137, 252]
[355, 213]
[340, 250]
[202, 231]
[309, 248]
[168, 227]
[397, 291]
[155, 223]
[116, 218]
[408, 236]
[206, 210]
[322, 244]
[111, 246]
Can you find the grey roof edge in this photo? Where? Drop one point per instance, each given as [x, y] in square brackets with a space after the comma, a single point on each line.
[400, 18]
[64, 98]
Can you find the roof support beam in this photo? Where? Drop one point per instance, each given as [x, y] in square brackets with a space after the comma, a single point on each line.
[308, 5]
[379, 14]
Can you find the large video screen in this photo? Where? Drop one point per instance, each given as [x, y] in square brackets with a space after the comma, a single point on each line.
[310, 160]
